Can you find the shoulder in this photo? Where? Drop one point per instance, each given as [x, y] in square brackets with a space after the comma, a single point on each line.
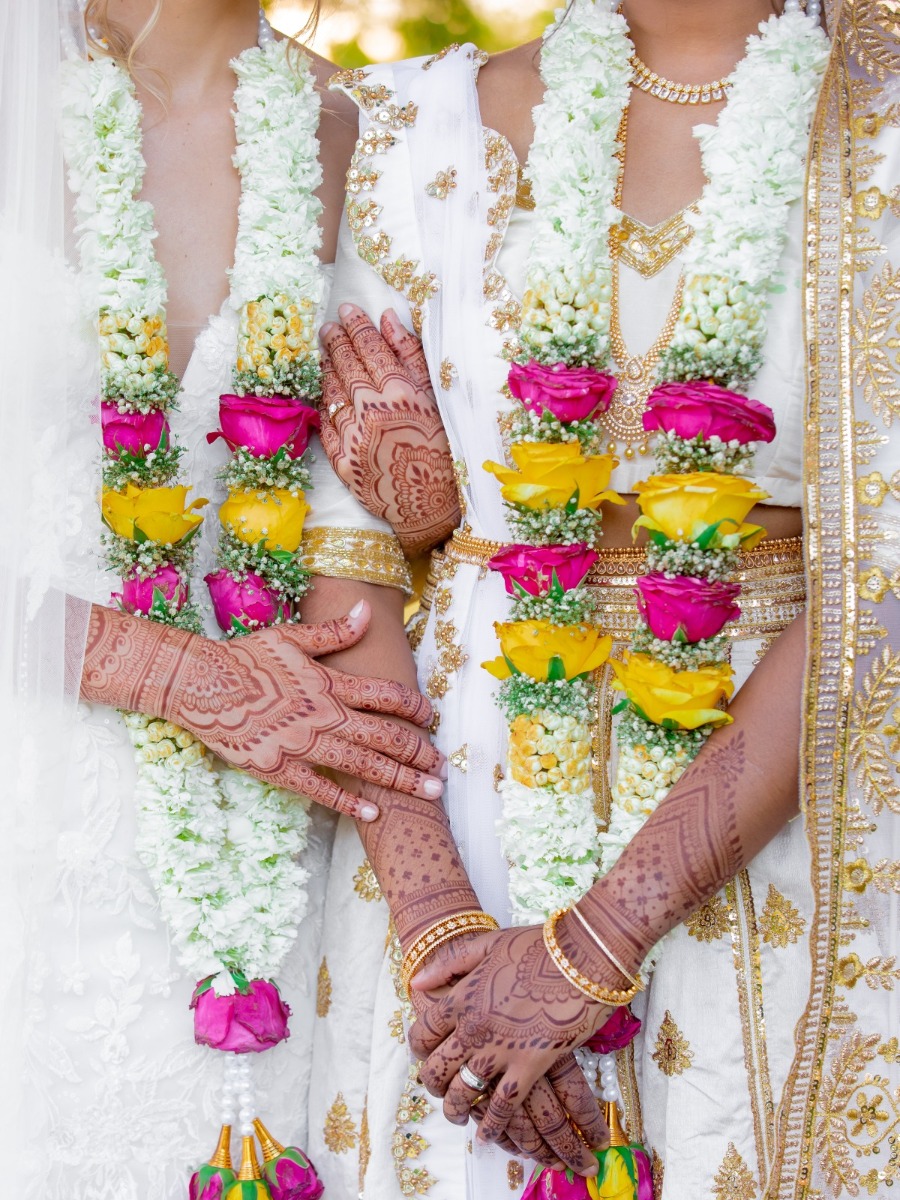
[509, 87]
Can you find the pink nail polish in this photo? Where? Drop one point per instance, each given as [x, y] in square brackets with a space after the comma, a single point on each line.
[368, 812]
[433, 788]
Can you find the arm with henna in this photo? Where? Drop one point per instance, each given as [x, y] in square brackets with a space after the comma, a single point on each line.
[512, 1014]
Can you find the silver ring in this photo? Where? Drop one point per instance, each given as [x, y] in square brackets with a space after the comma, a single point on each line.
[472, 1081]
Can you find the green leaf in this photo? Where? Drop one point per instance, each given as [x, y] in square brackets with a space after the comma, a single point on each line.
[556, 669]
[621, 706]
[512, 666]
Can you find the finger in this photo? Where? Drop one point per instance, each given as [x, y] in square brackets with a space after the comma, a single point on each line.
[550, 1119]
[571, 1088]
[407, 348]
[332, 750]
[382, 696]
[434, 1025]
[504, 1101]
[303, 780]
[458, 1101]
[522, 1133]
[381, 364]
[454, 961]
[327, 637]
[334, 396]
[394, 741]
[344, 358]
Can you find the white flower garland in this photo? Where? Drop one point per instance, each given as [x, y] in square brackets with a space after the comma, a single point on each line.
[219, 845]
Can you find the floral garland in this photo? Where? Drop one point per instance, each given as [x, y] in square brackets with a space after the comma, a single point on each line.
[219, 845]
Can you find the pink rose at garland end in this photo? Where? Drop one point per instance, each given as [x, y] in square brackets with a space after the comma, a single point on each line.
[250, 602]
[531, 568]
[694, 409]
[252, 1019]
[137, 594]
[569, 393]
[137, 434]
[264, 425]
[697, 607]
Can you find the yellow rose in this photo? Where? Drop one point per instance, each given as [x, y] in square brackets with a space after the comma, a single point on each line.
[551, 474]
[275, 517]
[683, 507]
[544, 651]
[675, 699]
[614, 1182]
[158, 514]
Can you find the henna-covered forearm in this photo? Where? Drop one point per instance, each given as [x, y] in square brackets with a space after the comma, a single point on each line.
[740, 791]
[129, 662]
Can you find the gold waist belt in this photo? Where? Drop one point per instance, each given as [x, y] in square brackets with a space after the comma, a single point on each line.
[772, 580]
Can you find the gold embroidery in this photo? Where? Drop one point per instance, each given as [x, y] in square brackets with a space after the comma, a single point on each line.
[460, 758]
[875, 331]
[407, 1144]
[375, 141]
[874, 585]
[370, 97]
[734, 1179]
[451, 657]
[361, 179]
[370, 556]
[874, 743]
[780, 922]
[672, 1055]
[868, 125]
[365, 1145]
[365, 882]
[498, 776]
[710, 921]
[878, 972]
[857, 875]
[657, 1171]
[890, 1050]
[499, 213]
[494, 285]
[870, 38]
[461, 477]
[372, 249]
[442, 184]
[441, 54]
[447, 374]
[395, 1026]
[323, 990]
[872, 489]
[872, 202]
[361, 215]
[349, 78]
[507, 316]
[443, 600]
[524, 195]
[647, 249]
[340, 1130]
[515, 1175]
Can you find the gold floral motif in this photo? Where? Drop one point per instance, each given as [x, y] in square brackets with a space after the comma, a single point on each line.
[780, 922]
[710, 921]
[871, 36]
[441, 54]
[734, 1179]
[348, 78]
[451, 657]
[361, 214]
[874, 585]
[871, 203]
[494, 285]
[657, 1172]
[507, 316]
[672, 1055]
[460, 758]
[408, 1144]
[890, 1050]
[323, 990]
[443, 600]
[442, 184]
[515, 1175]
[340, 1130]
[875, 740]
[369, 97]
[875, 336]
[375, 141]
[447, 374]
[365, 1145]
[868, 125]
[395, 1026]
[365, 883]
[872, 489]
[857, 875]
[362, 179]
[372, 249]
[499, 213]
[505, 175]
[878, 972]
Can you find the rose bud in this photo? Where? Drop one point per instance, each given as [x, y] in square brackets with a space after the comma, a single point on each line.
[249, 602]
[137, 592]
[556, 1185]
[252, 1019]
[288, 1172]
[263, 425]
[532, 568]
[619, 1031]
[698, 608]
[137, 434]
[569, 393]
[701, 409]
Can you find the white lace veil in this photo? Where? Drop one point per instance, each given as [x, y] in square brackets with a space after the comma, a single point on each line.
[49, 463]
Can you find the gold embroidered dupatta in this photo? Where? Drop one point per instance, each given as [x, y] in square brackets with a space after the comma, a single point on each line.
[839, 1123]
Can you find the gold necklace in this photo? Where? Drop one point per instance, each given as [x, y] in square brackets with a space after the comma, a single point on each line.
[636, 373]
[677, 93]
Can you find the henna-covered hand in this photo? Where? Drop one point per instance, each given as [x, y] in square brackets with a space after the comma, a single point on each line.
[513, 1018]
[382, 430]
[263, 704]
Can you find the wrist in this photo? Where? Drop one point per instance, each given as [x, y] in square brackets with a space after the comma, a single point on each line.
[584, 953]
[628, 942]
[130, 661]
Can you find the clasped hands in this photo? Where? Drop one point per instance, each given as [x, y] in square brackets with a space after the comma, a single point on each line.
[497, 1003]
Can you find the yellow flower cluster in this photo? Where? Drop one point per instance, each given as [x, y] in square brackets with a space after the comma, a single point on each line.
[275, 516]
[683, 699]
[160, 514]
[547, 750]
[133, 343]
[683, 506]
[644, 776]
[275, 332]
[538, 649]
[160, 741]
[551, 474]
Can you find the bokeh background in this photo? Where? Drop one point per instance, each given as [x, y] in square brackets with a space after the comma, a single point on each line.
[355, 32]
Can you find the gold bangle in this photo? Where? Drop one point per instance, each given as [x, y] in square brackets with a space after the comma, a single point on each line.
[367, 555]
[443, 931]
[595, 937]
[611, 997]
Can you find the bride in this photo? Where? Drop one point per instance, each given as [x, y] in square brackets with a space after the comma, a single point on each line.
[752, 996]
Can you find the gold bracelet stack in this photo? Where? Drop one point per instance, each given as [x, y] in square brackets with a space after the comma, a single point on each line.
[611, 997]
[446, 930]
[601, 945]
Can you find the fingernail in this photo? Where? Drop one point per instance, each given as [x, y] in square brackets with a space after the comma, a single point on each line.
[444, 772]
[368, 812]
[593, 1169]
[433, 788]
[327, 328]
[346, 310]
[357, 610]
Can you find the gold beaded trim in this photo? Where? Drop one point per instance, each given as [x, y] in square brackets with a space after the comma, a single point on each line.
[446, 930]
[612, 997]
[370, 556]
[677, 93]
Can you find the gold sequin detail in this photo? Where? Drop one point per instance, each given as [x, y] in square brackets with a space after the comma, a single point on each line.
[408, 1144]
[710, 921]
[672, 1055]
[657, 1171]
[442, 184]
[647, 249]
[734, 1179]
[507, 316]
[450, 658]
[780, 922]
[365, 882]
[498, 776]
[365, 1145]
[443, 599]
[460, 758]
[340, 1129]
[323, 990]
[395, 1026]
[447, 374]
[441, 54]
[348, 78]
[515, 1175]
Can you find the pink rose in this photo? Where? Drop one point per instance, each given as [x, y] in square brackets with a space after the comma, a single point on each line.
[250, 602]
[291, 1176]
[706, 410]
[691, 608]
[263, 424]
[556, 1185]
[254, 1018]
[569, 393]
[531, 568]
[137, 434]
[619, 1031]
[136, 595]
[209, 1183]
